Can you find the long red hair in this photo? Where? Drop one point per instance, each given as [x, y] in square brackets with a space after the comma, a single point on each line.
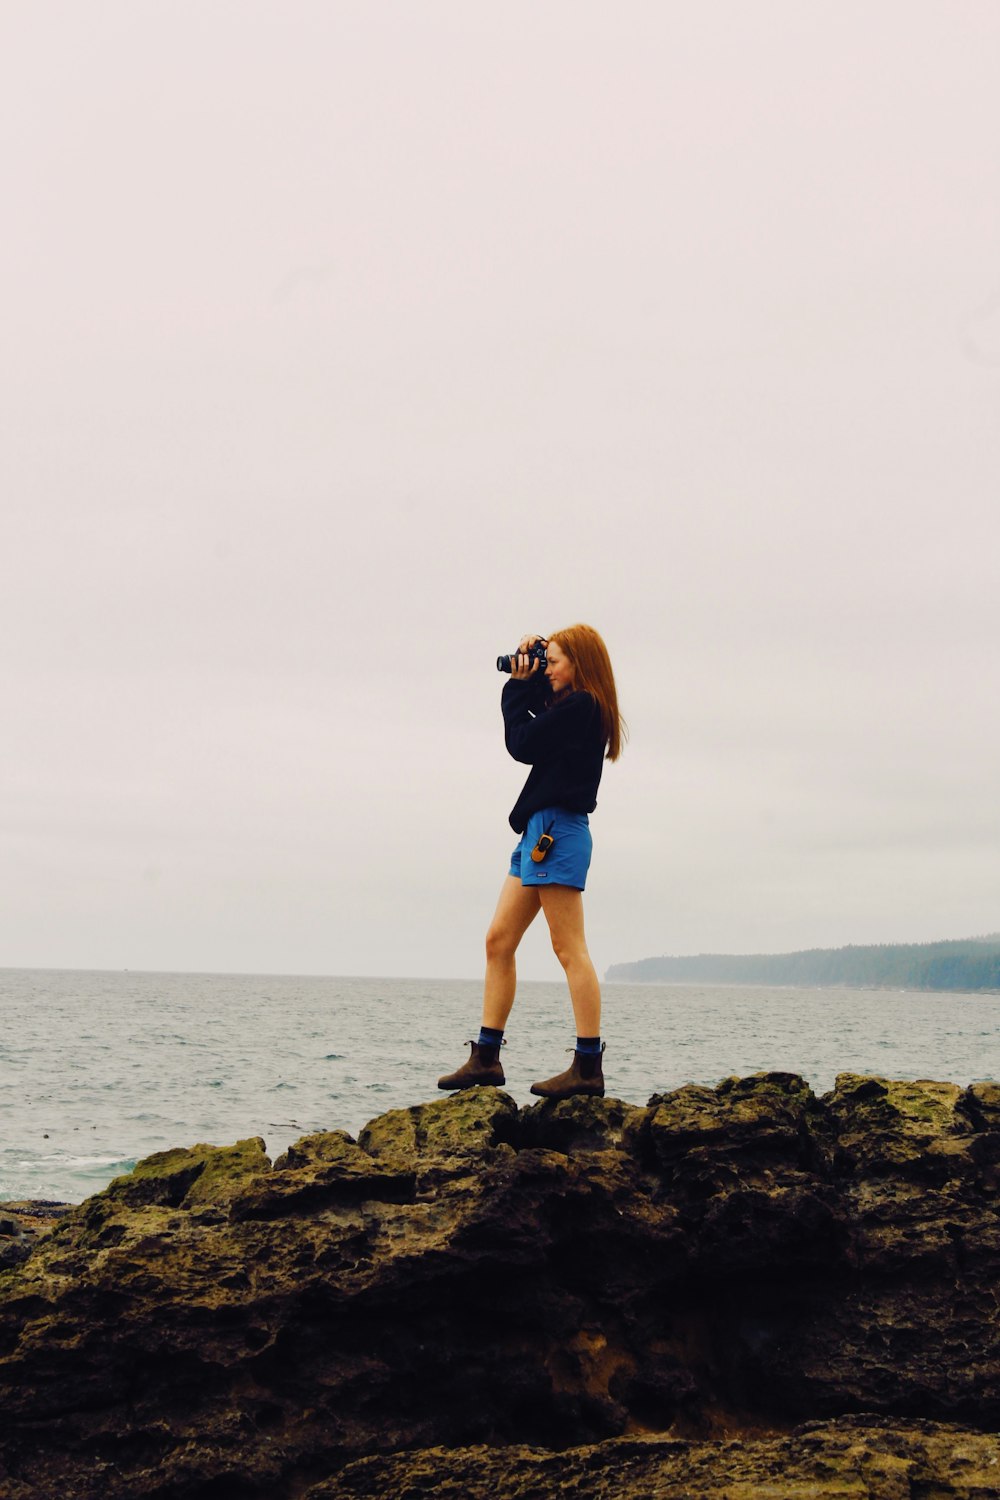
[592, 668]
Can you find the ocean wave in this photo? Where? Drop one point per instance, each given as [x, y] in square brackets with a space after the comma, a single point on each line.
[125, 1164]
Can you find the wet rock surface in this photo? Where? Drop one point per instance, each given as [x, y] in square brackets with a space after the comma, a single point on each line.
[22, 1224]
[733, 1291]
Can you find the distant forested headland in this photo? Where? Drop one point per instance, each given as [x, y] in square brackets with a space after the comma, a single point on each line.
[965, 964]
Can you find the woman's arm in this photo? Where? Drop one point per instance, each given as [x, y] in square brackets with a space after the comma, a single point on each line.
[531, 739]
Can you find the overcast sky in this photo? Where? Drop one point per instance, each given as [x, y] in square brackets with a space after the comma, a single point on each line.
[344, 342]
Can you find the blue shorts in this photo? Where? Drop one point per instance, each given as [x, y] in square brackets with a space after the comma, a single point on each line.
[567, 862]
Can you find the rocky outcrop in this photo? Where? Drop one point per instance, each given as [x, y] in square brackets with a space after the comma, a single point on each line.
[850, 1458]
[22, 1224]
[725, 1290]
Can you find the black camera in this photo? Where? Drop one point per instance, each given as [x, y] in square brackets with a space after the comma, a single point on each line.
[536, 652]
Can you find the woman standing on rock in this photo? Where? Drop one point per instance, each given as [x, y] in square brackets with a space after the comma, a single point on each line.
[561, 718]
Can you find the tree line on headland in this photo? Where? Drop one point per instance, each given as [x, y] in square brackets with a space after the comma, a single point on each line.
[963, 964]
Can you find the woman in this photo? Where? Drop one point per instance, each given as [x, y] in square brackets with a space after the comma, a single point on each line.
[563, 722]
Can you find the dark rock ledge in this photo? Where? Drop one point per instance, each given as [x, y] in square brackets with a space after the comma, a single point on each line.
[22, 1224]
[732, 1292]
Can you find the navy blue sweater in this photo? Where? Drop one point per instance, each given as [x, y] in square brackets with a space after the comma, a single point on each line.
[562, 742]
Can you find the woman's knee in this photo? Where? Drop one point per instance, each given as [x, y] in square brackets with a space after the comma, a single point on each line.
[501, 942]
[569, 949]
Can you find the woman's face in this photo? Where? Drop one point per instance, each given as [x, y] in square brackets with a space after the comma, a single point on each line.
[559, 670]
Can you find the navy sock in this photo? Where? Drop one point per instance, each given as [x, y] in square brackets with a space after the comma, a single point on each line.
[488, 1037]
[590, 1046]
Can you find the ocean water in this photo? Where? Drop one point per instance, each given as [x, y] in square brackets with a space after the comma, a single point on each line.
[100, 1069]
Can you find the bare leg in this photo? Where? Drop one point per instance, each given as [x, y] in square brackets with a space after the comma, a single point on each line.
[563, 908]
[516, 909]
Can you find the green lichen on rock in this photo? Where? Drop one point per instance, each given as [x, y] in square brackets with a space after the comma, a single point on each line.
[465, 1123]
[226, 1173]
[918, 1130]
[190, 1175]
[322, 1171]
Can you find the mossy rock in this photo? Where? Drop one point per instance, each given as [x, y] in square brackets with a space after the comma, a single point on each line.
[319, 1171]
[458, 1126]
[578, 1124]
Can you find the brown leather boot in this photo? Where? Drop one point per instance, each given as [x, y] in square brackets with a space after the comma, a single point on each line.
[482, 1067]
[585, 1075]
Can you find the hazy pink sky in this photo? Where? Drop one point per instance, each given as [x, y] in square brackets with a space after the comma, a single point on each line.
[345, 342]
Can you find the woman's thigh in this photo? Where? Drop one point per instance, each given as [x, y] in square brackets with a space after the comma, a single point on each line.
[517, 908]
[563, 908]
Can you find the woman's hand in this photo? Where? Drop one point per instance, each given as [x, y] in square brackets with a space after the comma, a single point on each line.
[523, 666]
